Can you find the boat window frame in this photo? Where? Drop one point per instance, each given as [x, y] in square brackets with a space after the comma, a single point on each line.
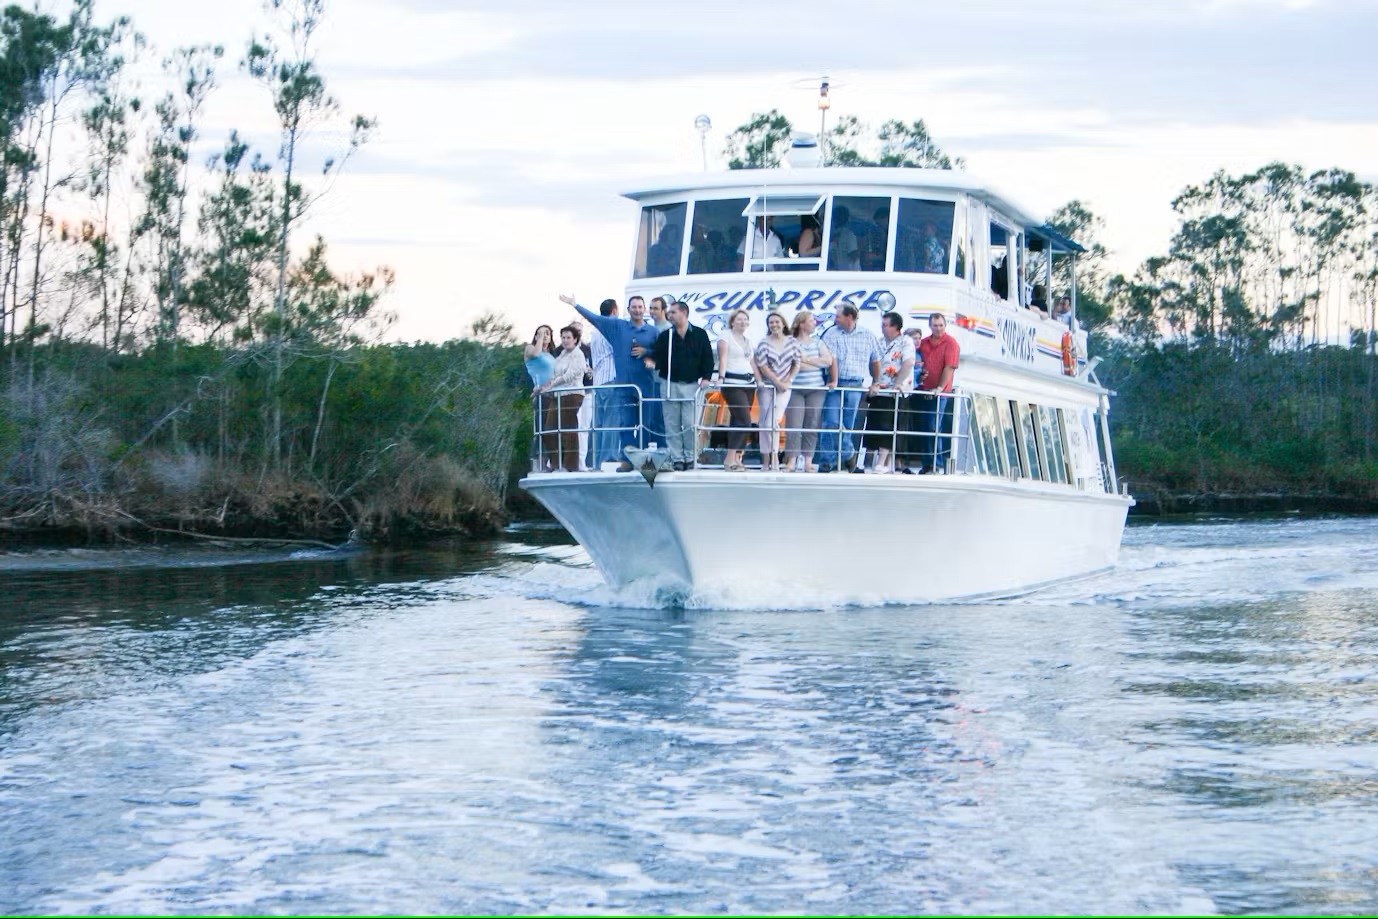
[693, 219]
[956, 200]
[992, 450]
[786, 262]
[1054, 456]
[1028, 425]
[1010, 441]
[643, 255]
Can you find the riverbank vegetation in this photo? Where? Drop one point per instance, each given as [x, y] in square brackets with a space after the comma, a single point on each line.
[176, 355]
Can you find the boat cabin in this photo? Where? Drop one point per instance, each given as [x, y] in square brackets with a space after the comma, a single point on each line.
[933, 238]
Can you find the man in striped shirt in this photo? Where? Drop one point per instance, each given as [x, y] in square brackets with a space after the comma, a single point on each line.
[858, 355]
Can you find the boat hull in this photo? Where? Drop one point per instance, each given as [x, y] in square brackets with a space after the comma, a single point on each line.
[835, 538]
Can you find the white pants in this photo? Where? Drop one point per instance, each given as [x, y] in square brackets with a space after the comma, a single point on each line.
[585, 422]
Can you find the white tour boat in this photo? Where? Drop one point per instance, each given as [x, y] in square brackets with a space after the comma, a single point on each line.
[1029, 496]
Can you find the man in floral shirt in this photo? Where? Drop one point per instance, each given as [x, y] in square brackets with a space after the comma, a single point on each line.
[887, 391]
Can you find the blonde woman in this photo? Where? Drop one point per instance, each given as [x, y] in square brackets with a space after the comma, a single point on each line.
[817, 374]
[735, 375]
[777, 361]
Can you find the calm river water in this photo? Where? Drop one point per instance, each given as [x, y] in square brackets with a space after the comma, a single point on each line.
[491, 731]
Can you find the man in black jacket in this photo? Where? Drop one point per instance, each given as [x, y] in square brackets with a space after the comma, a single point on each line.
[684, 356]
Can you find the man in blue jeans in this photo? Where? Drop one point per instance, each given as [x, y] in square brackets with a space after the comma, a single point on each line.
[858, 354]
[631, 340]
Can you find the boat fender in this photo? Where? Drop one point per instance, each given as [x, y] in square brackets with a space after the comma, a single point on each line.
[1069, 355]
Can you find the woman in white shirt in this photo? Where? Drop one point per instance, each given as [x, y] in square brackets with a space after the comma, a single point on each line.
[736, 376]
[562, 410]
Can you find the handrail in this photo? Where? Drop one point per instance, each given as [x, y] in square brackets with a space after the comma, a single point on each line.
[547, 453]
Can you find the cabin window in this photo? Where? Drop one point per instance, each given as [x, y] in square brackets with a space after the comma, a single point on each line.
[988, 436]
[960, 235]
[923, 236]
[1053, 455]
[786, 232]
[660, 243]
[1011, 438]
[716, 244]
[859, 235]
[1028, 421]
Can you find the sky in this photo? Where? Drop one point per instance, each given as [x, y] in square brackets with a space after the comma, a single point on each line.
[507, 131]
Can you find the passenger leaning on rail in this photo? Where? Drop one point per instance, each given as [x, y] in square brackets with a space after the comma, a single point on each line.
[561, 436]
[776, 361]
[817, 375]
[941, 354]
[884, 423]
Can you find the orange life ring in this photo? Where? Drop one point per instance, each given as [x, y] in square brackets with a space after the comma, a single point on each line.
[1069, 355]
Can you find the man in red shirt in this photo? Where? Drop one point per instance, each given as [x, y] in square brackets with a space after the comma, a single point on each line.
[940, 353]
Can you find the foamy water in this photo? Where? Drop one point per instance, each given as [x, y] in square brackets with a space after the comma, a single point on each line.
[498, 732]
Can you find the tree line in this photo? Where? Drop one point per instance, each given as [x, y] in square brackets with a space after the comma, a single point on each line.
[174, 353]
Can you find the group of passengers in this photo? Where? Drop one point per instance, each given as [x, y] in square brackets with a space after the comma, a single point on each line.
[811, 387]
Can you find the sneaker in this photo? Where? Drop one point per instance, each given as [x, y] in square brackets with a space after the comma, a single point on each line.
[905, 470]
[625, 466]
[678, 466]
[825, 467]
[850, 464]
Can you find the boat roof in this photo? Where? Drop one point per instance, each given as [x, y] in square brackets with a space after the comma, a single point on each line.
[948, 180]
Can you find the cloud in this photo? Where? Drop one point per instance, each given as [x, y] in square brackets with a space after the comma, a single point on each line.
[1176, 60]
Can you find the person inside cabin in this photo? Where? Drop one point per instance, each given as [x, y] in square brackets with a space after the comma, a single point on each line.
[684, 357]
[1038, 299]
[703, 253]
[858, 354]
[817, 375]
[736, 377]
[662, 258]
[765, 244]
[932, 250]
[810, 237]
[844, 252]
[1000, 277]
[776, 361]
[562, 410]
[941, 354]
[888, 389]
[1062, 311]
[877, 240]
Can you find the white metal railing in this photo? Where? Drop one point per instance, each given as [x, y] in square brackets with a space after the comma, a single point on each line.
[917, 430]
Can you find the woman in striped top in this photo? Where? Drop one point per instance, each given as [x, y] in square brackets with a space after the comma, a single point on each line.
[777, 360]
[817, 374]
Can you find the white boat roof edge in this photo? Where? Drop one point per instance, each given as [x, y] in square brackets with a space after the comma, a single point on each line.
[949, 180]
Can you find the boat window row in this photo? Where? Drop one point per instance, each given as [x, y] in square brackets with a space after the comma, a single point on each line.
[813, 232]
[1023, 440]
